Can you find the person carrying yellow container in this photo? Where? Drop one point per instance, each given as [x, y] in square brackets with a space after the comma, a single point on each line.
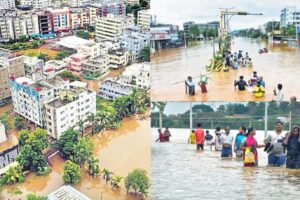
[192, 138]
[258, 90]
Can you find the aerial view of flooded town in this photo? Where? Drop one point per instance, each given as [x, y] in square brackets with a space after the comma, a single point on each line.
[201, 51]
[74, 99]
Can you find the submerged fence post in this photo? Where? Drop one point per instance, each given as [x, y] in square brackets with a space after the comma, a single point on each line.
[266, 119]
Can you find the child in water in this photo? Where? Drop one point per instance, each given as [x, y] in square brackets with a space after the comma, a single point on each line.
[192, 138]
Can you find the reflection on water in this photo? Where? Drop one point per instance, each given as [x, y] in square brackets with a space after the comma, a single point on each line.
[180, 172]
[170, 66]
[119, 151]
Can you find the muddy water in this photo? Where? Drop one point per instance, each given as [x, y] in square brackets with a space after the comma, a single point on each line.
[119, 151]
[170, 66]
[180, 172]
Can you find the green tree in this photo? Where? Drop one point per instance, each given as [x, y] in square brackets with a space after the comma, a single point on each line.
[138, 181]
[161, 107]
[66, 143]
[4, 119]
[145, 54]
[71, 173]
[23, 136]
[107, 174]
[290, 31]
[35, 44]
[12, 175]
[18, 121]
[92, 119]
[43, 57]
[194, 32]
[116, 180]
[63, 54]
[36, 197]
[81, 127]
[83, 34]
[93, 166]
[83, 150]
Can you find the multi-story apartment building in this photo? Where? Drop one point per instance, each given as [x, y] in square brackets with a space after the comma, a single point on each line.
[32, 64]
[137, 74]
[37, 3]
[132, 2]
[7, 4]
[144, 18]
[60, 19]
[14, 25]
[79, 3]
[79, 17]
[11, 66]
[290, 16]
[65, 111]
[45, 22]
[111, 89]
[96, 66]
[110, 27]
[30, 95]
[118, 58]
[134, 41]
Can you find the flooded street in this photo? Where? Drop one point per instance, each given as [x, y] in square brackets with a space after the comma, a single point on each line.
[119, 151]
[170, 67]
[180, 172]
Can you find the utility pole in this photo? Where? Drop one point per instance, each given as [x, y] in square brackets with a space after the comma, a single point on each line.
[191, 116]
[266, 118]
[184, 38]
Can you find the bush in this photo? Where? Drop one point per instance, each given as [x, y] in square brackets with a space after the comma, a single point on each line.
[71, 173]
[35, 197]
[13, 175]
[138, 181]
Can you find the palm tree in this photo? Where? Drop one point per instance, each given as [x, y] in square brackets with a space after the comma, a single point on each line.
[161, 107]
[107, 174]
[103, 118]
[115, 181]
[93, 166]
[81, 127]
[134, 96]
[121, 106]
[92, 120]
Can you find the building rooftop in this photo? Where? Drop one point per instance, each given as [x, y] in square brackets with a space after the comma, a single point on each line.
[72, 42]
[67, 192]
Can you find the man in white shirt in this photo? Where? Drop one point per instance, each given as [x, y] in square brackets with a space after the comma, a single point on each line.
[278, 93]
[276, 157]
[190, 86]
[226, 141]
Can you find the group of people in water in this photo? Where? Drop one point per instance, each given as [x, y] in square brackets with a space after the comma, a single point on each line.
[258, 87]
[283, 149]
[236, 60]
[163, 136]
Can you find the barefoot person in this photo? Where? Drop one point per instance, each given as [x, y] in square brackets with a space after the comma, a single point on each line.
[199, 133]
[209, 139]
[249, 145]
[192, 138]
[203, 82]
[218, 145]
[226, 141]
[292, 144]
[278, 93]
[241, 84]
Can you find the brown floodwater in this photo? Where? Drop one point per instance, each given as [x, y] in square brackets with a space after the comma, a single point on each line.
[179, 171]
[119, 151]
[170, 67]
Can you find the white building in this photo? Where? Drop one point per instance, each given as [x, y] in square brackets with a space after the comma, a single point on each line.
[79, 3]
[96, 66]
[32, 64]
[110, 27]
[65, 112]
[290, 16]
[144, 18]
[2, 133]
[118, 58]
[134, 41]
[7, 4]
[29, 96]
[111, 89]
[37, 3]
[138, 75]
[67, 192]
[14, 26]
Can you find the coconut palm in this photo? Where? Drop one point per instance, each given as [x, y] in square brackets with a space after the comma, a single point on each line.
[107, 174]
[134, 96]
[103, 118]
[81, 127]
[93, 166]
[161, 107]
[116, 180]
[92, 119]
[121, 105]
